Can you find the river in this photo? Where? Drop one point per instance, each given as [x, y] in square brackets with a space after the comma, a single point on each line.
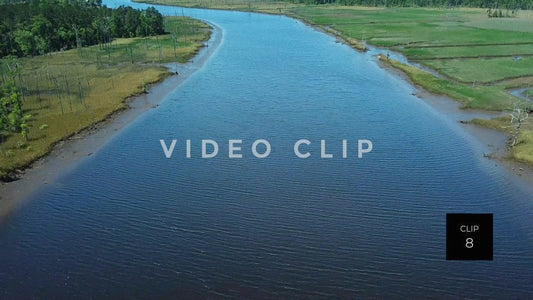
[127, 222]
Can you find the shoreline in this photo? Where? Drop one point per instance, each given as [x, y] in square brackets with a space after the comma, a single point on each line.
[495, 142]
[67, 154]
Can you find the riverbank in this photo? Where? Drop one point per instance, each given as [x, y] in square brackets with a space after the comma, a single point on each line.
[66, 154]
[500, 121]
[476, 61]
[469, 62]
[66, 92]
[495, 142]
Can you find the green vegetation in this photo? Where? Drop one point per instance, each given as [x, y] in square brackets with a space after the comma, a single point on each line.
[39, 27]
[462, 38]
[272, 7]
[478, 70]
[494, 98]
[12, 118]
[496, 9]
[68, 91]
[454, 52]
[523, 151]
[501, 123]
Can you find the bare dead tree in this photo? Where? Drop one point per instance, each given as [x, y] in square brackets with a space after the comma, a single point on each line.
[174, 37]
[518, 116]
[67, 90]
[58, 93]
[76, 29]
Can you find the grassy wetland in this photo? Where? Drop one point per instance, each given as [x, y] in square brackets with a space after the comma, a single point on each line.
[479, 60]
[68, 91]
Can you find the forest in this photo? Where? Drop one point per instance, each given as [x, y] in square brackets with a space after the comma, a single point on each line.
[39, 27]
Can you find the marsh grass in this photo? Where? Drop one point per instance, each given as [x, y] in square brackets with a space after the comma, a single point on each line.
[528, 93]
[272, 7]
[68, 91]
[523, 150]
[494, 98]
[479, 70]
[439, 37]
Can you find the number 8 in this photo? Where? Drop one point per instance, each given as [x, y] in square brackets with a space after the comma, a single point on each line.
[469, 243]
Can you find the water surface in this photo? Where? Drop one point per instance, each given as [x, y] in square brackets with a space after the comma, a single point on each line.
[127, 222]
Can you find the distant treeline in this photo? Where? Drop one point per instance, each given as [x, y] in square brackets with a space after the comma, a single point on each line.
[493, 4]
[38, 27]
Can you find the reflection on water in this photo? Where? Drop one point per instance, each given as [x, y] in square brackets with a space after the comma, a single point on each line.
[130, 223]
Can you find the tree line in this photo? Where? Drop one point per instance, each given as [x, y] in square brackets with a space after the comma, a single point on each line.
[492, 4]
[43, 26]
[39, 27]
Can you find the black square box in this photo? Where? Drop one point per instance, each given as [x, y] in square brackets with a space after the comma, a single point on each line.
[469, 236]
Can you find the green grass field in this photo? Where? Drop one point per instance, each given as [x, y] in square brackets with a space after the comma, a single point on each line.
[462, 44]
[494, 98]
[478, 70]
[71, 90]
[429, 53]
